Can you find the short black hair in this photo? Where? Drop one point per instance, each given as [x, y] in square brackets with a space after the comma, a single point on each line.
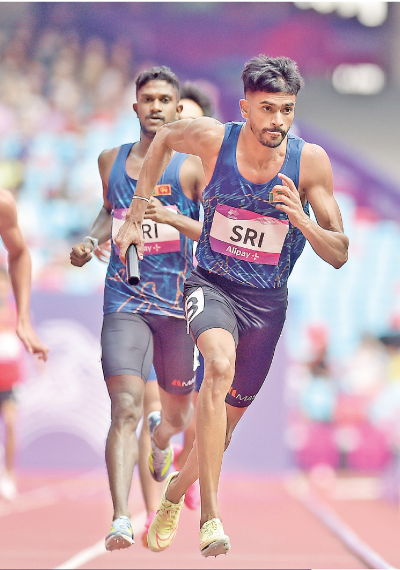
[157, 72]
[272, 74]
[193, 92]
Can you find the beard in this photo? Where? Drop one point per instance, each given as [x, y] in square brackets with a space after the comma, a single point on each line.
[151, 131]
[269, 143]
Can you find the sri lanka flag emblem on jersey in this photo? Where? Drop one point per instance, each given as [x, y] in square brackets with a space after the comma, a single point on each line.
[162, 190]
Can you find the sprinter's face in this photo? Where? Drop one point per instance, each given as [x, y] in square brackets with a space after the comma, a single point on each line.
[270, 115]
[157, 104]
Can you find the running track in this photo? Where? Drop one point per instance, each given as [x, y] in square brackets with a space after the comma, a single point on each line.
[59, 521]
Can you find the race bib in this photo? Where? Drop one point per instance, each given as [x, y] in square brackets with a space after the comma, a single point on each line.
[158, 238]
[246, 235]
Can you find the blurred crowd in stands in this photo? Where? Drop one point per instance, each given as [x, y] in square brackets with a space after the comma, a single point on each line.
[60, 104]
[62, 101]
[346, 414]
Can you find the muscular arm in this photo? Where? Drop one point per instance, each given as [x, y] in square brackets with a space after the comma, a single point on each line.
[19, 268]
[326, 236]
[202, 137]
[101, 228]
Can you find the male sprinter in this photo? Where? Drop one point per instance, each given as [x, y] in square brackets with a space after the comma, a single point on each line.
[146, 323]
[260, 183]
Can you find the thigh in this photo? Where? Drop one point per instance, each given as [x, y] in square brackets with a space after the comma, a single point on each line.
[127, 346]
[207, 307]
[173, 355]
[254, 354]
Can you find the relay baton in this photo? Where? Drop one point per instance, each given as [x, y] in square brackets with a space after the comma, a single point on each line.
[132, 265]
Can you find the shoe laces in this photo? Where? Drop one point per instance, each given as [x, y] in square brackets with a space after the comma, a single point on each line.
[211, 527]
[122, 524]
[168, 515]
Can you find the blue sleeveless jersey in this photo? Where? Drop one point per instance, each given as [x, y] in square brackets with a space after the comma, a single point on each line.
[168, 256]
[245, 238]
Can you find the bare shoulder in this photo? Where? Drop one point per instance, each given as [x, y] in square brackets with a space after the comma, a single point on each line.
[207, 130]
[202, 136]
[108, 156]
[105, 162]
[207, 136]
[314, 155]
[315, 167]
[6, 197]
[8, 208]
[206, 124]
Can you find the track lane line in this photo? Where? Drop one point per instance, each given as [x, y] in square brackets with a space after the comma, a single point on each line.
[300, 490]
[52, 493]
[99, 549]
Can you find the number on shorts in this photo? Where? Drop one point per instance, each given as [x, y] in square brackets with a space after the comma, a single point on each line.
[194, 304]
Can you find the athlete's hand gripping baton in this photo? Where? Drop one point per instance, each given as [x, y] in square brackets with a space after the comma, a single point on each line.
[132, 265]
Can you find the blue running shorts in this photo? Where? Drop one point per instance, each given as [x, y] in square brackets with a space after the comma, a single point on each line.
[255, 318]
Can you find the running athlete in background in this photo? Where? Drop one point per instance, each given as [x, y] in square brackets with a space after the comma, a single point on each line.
[146, 324]
[11, 320]
[195, 103]
[11, 371]
[260, 183]
[151, 489]
[19, 269]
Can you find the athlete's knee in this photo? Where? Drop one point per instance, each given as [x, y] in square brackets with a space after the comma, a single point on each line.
[126, 409]
[218, 376]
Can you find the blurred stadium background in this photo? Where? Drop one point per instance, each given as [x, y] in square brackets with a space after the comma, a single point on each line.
[67, 74]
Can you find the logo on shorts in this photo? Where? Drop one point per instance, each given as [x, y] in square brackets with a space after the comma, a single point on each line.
[182, 384]
[194, 304]
[234, 393]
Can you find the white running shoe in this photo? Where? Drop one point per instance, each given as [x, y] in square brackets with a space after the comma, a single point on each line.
[121, 534]
[213, 540]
